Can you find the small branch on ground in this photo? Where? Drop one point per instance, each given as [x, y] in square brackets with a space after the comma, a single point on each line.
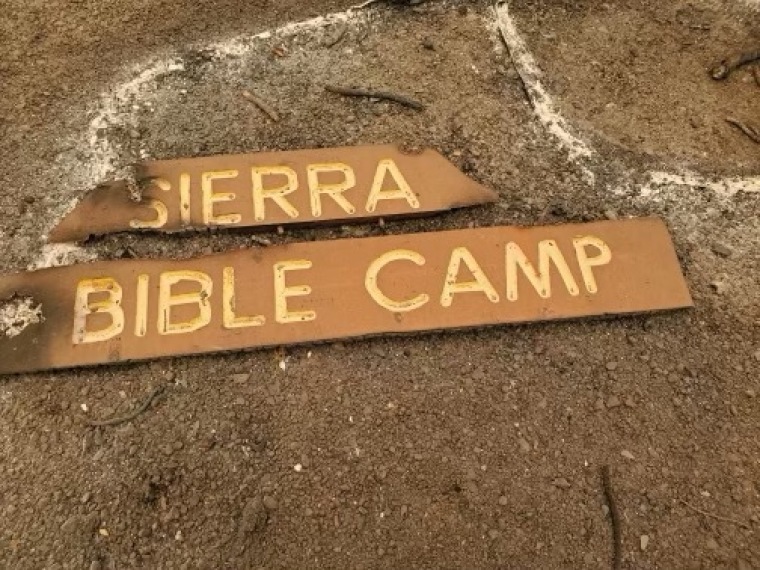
[261, 104]
[751, 131]
[133, 414]
[337, 36]
[371, 2]
[386, 95]
[725, 67]
[617, 537]
[716, 517]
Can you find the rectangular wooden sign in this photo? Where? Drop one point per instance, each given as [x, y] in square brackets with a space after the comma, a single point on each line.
[138, 309]
[266, 189]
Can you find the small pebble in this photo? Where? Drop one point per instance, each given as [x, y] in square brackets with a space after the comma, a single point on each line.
[512, 73]
[722, 250]
[613, 402]
[719, 287]
[503, 501]
[561, 483]
[270, 503]
[612, 366]
[524, 445]
[711, 544]
[627, 454]
[298, 467]
[262, 241]
[696, 122]
[254, 516]
[644, 541]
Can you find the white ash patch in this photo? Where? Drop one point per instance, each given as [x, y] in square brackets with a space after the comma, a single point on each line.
[103, 152]
[725, 187]
[100, 155]
[531, 74]
[17, 314]
[97, 154]
[60, 254]
[120, 105]
[242, 46]
[556, 125]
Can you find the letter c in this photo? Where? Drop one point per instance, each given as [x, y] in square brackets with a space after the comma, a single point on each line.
[370, 281]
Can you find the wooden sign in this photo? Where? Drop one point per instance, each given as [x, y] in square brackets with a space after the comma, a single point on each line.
[137, 309]
[274, 188]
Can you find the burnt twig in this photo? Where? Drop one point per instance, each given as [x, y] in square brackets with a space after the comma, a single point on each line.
[752, 132]
[387, 95]
[712, 516]
[370, 2]
[261, 104]
[337, 36]
[617, 537]
[723, 69]
[133, 414]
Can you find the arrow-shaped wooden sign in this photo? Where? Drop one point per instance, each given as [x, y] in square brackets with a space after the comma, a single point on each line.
[274, 188]
[303, 292]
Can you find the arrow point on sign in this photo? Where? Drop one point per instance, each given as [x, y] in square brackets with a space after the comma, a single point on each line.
[465, 190]
[110, 207]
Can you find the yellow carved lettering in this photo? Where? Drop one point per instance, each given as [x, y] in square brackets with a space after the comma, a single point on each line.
[548, 253]
[370, 281]
[480, 283]
[586, 263]
[282, 292]
[230, 319]
[111, 305]
[335, 190]
[402, 191]
[141, 308]
[162, 213]
[276, 194]
[166, 300]
[210, 198]
[184, 198]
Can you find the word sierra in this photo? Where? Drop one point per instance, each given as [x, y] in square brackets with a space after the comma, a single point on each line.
[265, 189]
[137, 309]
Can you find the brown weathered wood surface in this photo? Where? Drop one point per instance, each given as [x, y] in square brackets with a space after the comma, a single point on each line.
[274, 188]
[140, 309]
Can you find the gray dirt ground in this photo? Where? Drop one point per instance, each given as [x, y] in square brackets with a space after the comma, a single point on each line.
[476, 449]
